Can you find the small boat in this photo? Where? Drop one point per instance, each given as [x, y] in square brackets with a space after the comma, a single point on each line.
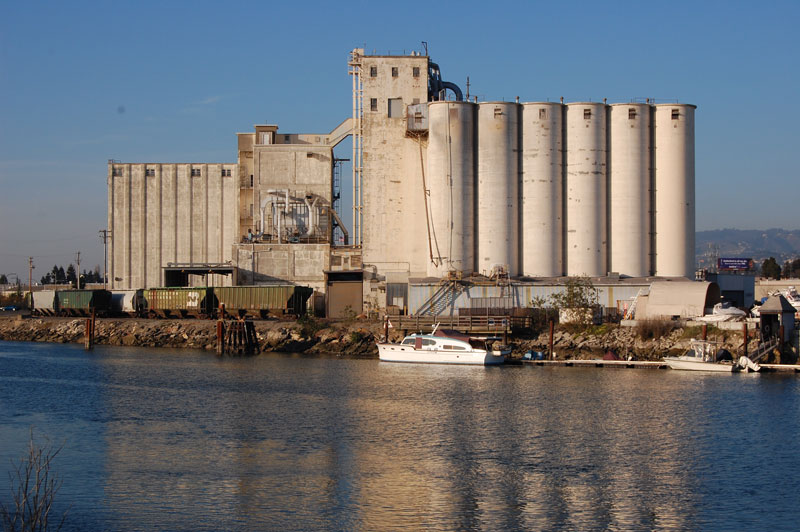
[702, 357]
[445, 347]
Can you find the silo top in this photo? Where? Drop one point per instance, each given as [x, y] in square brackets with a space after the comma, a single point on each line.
[453, 102]
[542, 103]
[675, 105]
[586, 103]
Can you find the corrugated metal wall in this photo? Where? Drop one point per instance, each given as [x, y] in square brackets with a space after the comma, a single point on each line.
[515, 296]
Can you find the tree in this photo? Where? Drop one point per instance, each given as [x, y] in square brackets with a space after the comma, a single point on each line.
[770, 269]
[579, 295]
[3, 279]
[71, 277]
[791, 269]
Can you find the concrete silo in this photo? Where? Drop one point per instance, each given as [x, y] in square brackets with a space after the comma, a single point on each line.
[542, 189]
[586, 189]
[498, 186]
[450, 179]
[674, 194]
[629, 181]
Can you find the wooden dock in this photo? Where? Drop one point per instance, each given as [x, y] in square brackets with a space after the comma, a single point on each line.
[600, 363]
[642, 364]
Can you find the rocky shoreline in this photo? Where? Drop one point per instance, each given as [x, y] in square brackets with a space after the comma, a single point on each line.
[353, 338]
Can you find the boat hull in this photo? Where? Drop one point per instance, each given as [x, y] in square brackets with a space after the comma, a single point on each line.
[696, 365]
[406, 353]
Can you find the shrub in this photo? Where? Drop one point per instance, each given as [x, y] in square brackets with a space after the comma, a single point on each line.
[654, 328]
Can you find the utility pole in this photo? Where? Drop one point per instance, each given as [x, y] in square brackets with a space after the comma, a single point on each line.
[30, 280]
[105, 234]
[78, 273]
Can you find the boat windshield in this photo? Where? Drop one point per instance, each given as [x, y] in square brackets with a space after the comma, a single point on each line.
[478, 343]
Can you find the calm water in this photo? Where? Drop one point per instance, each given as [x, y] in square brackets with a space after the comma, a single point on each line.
[178, 440]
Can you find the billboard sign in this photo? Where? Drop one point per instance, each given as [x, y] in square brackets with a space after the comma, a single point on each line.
[734, 264]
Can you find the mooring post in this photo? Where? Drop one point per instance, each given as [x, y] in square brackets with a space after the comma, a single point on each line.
[220, 337]
[705, 332]
[744, 335]
[552, 355]
[89, 333]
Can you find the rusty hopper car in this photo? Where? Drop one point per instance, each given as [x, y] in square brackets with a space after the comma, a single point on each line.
[179, 302]
[260, 301]
[83, 302]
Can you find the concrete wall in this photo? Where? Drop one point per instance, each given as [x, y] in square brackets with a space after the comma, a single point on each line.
[394, 228]
[302, 264]
[161, 213]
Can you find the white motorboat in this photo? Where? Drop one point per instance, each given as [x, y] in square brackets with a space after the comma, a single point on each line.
[702, 357]
[445, 347]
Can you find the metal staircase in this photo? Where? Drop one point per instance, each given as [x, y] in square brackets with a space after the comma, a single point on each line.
[443, 298]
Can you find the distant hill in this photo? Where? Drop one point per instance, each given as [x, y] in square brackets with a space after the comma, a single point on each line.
[746, 243]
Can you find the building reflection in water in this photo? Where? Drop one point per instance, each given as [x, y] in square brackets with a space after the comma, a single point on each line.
[287, 442]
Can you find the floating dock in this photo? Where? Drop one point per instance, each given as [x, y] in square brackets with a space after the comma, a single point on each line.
[644, 364]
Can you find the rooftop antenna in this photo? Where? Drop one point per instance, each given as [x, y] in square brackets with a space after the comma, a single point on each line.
[425, 46]
[467, 99]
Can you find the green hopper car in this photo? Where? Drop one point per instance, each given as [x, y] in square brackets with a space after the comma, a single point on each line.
[83, 302]
[259, 301]
[179, 302]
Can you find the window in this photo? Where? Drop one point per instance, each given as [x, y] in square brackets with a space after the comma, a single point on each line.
[587, 114]
[373, 72]
[415, 70]
[631, 114]
[116, 171]
[395, 107]
[287, 138]
[676, 114]
[251, 180]
[226, 172]
[394, 72]
[150, 172]
[195, 172]
[408, 341]
[542, 114]
[373, 104]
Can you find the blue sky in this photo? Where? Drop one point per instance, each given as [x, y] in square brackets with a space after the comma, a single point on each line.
[84, 82]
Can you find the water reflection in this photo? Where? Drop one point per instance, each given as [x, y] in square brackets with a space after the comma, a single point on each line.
[177, 440]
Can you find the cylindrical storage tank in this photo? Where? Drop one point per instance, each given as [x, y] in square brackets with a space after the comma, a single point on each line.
[450, 179]
[498, 187]
[586, 189]
[629, 182]
[542, 189]
[674, 194]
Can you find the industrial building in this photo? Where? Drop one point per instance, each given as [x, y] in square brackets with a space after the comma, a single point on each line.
[444, 187]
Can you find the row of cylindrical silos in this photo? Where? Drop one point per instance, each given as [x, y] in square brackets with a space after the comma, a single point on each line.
[549, 189]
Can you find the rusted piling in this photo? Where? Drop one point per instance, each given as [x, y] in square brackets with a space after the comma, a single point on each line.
[238, 337]
[88, 337]
[744, 335]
